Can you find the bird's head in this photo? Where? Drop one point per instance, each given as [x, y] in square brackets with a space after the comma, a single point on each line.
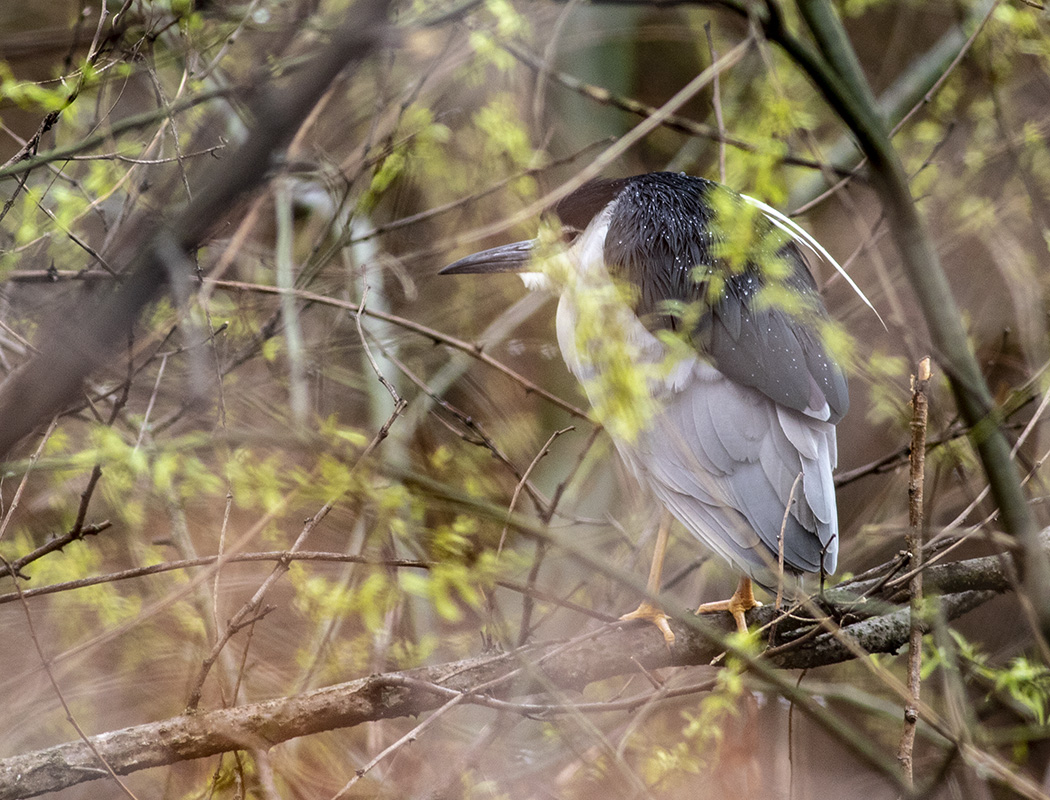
[565, 222]
[706, 270]
[678, 244]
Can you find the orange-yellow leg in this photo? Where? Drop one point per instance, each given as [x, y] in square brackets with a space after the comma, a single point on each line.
[743, 600]
[647, 610]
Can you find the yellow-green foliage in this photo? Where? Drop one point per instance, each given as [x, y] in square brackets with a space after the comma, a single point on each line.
[429, 142]
[101, 176]
[1025, 682]
[30, 217]
[488, 52]
[454, 541]
[124, 466]
[162, 314]
[472, 787]
[888, 381]
[257, 482]
[67, 204]
[102, 606]
[468, 467]
[1020, 24]
[617, 370]
[397, 510]
[505, 23]
[35, 96]
[509, 23]
[420, 141]
[505, 138]
[186, 472]
[619, 388]
[837, 341]
[976, 214]
[450, 585]
[187, 616]
[406, 653]
[856, 8]
[760, 173]
[321, 598]
[745, 238]
[264, 480]
[131, 474]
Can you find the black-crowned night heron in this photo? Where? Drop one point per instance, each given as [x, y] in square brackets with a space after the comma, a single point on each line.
[689, 315]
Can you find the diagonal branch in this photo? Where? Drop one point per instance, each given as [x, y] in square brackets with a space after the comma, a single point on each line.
[616, 649]
[43, 386]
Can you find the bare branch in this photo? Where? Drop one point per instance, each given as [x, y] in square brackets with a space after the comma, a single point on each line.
[920, 382]
[617, 649]
[46, 384]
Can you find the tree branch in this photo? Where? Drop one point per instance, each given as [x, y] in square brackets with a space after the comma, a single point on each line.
[612, 650]
[842, 82]
[43, 386]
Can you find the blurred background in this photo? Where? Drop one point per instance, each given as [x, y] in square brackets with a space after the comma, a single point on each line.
[232, 415]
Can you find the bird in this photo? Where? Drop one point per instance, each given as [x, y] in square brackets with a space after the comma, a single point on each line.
[689, 314]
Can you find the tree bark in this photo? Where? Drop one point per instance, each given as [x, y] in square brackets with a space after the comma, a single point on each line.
[616, 649]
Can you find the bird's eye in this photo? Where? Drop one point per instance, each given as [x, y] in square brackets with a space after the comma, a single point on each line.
[569, 234]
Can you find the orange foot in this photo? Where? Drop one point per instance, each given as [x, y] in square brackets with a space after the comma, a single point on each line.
[651, 613]
[742, 601]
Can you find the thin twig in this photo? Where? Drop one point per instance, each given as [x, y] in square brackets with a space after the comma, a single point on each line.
[524, 479]
[78, 532]
[398, 402]
[222, 558]
[468, 200]
[146, 119]
[408, 738]
[609, 651]
[25, 478]
[249, 611]
[107, 769]
[671, 121]
[474, 434]
[430, 333]
[152, 401]
[716, 101]
[835, 69]
[148, 161]
[920, 382]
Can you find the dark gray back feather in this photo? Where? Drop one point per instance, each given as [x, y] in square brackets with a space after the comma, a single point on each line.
[661, 242]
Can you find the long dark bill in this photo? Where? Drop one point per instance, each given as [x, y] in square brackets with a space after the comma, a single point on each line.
[505, 258]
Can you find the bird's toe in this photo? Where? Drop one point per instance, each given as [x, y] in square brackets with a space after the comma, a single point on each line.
[650, 613]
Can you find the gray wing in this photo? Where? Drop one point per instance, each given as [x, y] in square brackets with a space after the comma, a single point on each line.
[661, 240]
[773, 351]
[724, 458]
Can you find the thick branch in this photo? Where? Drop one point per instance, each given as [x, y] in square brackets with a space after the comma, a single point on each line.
[617, 649]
